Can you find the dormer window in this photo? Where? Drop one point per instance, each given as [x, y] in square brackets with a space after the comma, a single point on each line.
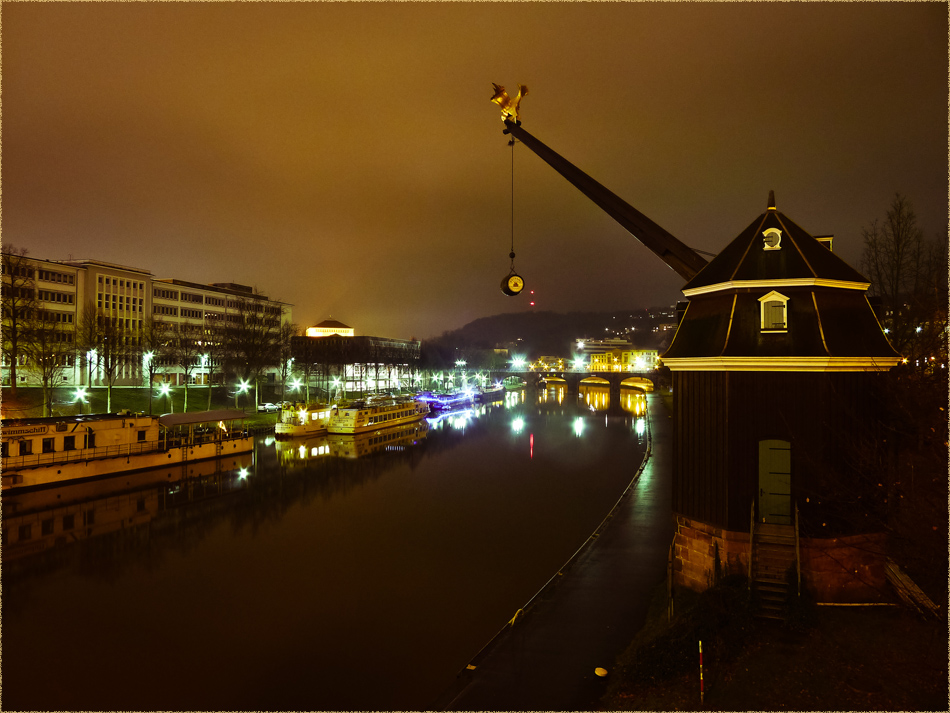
[773, 239]
[774, 312]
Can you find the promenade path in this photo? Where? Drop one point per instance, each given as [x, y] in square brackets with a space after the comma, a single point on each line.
[546, 660]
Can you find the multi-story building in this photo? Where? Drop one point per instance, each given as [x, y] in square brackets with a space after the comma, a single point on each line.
[75, 291]
[615, 355]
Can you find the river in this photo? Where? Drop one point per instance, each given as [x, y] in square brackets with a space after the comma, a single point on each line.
[307, 578]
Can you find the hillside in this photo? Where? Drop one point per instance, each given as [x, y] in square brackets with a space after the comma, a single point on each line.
[552, 333]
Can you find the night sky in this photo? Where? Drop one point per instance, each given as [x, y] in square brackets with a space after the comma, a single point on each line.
[346, 158]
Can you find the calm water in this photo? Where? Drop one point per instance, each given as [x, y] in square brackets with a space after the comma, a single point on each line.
[328, 577]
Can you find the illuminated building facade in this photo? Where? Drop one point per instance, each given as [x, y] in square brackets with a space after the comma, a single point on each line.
[130, 296]
[329, 328]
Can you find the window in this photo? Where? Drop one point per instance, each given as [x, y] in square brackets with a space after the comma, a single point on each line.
[89, 517]
[773, 239]
[4, 449]
[69, 443]
[25, 532]
[47, 445]
[141, 435]
[47, 526]
[774, 312]
[26, 448]
[69, 522]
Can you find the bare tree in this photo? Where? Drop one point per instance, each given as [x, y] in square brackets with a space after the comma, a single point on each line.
[18, 303]
[908, 274]
[49, 350]
[184, 350]
[107, 345]
[252, 334]
[155, 337]
[214, 352]
[284, 352]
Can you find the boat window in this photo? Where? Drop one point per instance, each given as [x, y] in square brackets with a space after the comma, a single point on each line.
[4, 449]
[26, 448]
[141, 435]
[47, 445]
[69, 443]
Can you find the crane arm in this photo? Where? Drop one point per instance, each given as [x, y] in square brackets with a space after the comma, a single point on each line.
[681, 258]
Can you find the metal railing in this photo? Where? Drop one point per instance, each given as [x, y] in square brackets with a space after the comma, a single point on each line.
[798, 561]
[34, 460]
[751, 539]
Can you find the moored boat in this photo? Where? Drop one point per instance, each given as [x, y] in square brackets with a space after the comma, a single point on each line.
[374, 413]
[448, 401]
[297, 421]
[40, 451]
[487, 395]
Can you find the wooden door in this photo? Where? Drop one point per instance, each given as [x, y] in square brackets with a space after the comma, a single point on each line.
[775, 482]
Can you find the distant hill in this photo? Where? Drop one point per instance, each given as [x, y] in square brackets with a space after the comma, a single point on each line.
[552, 333]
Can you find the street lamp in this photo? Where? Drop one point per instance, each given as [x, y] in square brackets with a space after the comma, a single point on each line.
[165, 390]
[81, 397]
[241, 389]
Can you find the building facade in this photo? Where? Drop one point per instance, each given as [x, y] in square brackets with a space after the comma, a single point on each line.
[73, 292]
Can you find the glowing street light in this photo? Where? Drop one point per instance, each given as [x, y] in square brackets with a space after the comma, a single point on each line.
[81, 397]
[242, 388]
[165, 390]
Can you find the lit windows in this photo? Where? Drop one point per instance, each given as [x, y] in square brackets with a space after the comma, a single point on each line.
[774, 312]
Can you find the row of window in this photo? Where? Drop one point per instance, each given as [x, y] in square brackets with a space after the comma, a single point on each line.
[191, 297]
[50, 296]
[50, 276]
[116, 282]
[62, 317]
[118, 302]
[163, 309]
[48, 445]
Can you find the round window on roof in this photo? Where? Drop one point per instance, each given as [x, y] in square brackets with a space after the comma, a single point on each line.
[773, 238]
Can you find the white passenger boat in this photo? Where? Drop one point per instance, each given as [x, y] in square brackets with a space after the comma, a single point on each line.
[40, 451]
[376, 412]
[298, 421]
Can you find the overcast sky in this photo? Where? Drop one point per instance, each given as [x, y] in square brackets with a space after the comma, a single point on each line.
[346, 158]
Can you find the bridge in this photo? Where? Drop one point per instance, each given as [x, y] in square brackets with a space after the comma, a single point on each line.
[574, 379]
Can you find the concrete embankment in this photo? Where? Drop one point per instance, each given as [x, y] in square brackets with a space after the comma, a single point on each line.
[545, 659]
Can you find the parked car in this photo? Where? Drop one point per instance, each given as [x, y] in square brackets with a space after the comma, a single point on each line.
[268, 408]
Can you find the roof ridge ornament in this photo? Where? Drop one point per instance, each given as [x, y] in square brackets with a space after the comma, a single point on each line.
[509, 106]
[771, 200]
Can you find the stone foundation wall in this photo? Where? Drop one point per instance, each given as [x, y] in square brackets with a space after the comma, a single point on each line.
[842, 569]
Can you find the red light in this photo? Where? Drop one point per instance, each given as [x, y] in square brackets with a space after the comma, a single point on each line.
[532, 304]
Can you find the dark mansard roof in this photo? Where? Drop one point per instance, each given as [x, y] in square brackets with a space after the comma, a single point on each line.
[830, 323]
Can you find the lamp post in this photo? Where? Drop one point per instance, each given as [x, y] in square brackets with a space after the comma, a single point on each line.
[81, 397]
[165, 390]
[147, 376]
[241, 389]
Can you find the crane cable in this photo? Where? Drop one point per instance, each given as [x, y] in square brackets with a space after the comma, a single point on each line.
[511, 143]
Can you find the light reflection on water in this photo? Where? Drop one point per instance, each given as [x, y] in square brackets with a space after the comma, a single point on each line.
[340, 573]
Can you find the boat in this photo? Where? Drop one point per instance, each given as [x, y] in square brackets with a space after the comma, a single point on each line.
[376, 412]
[448, 401]
[297, 421]
[488, 395]
[43, 451]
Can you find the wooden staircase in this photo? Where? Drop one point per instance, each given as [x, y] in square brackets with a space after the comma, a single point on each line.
[773, 552]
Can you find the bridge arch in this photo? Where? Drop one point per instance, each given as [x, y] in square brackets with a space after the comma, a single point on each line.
[639, 382]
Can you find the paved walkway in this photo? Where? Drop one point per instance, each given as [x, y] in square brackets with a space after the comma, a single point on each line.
[546, 660]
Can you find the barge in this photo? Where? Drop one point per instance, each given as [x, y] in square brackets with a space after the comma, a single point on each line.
[43, 451]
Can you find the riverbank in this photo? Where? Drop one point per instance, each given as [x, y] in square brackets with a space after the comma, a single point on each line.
[833, 658]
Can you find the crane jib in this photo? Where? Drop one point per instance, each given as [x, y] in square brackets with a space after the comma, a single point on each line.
[680, 257]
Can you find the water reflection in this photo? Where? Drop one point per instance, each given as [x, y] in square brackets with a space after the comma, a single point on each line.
[595, 394]
[324, 561]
